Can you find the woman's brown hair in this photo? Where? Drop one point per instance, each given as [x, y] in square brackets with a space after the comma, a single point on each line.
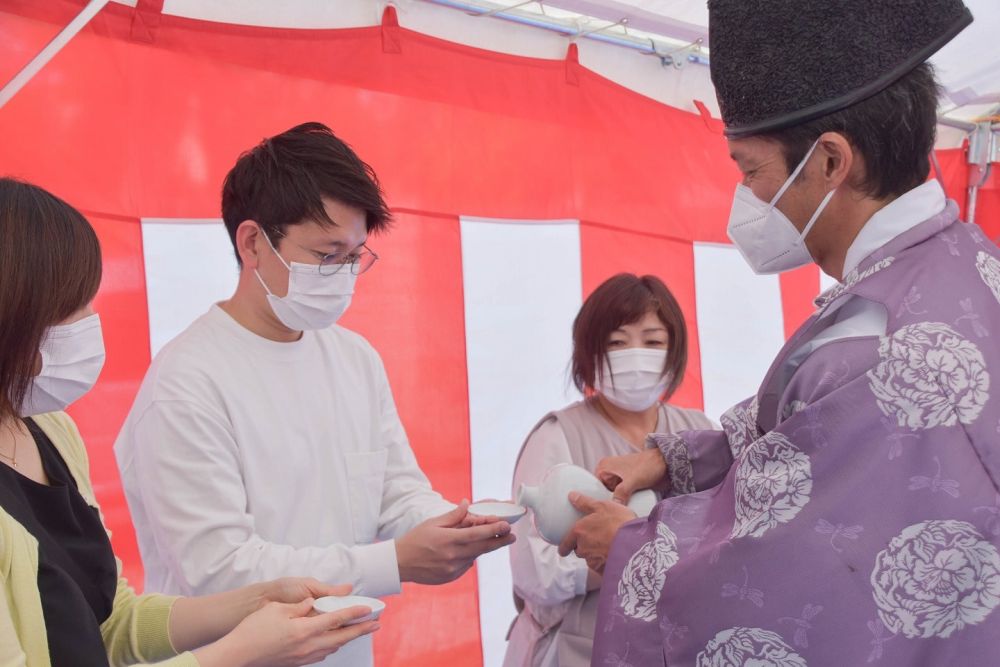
[619, 300]
[50, 267]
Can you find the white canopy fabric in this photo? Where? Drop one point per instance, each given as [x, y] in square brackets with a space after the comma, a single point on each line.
[967, 67]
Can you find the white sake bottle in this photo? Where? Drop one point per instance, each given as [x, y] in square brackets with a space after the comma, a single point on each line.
[553, 514]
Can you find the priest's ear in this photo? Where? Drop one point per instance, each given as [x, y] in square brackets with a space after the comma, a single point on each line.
[840, 162]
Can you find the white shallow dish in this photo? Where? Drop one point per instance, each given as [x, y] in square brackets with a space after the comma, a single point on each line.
[509, 512]
[337, 603]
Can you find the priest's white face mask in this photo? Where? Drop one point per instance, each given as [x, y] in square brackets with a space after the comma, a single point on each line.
[766, 238]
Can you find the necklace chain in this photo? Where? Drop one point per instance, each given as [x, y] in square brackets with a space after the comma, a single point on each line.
[12, 457]
[607, 415]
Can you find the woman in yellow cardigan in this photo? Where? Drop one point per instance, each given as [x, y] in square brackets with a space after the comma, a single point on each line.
[63, 601]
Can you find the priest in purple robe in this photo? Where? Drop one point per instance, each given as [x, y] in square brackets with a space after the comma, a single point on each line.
[848, 514]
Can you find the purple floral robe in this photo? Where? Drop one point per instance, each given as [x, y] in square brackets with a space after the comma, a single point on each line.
[853, 519]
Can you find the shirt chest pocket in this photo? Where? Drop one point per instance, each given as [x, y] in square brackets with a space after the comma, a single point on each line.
[366, 479]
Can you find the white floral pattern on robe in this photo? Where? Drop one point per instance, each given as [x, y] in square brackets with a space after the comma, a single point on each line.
[744, 647]
[740, 425]
[989, 271]
[773, 484]
[929, 375]
[679, 469]
[936, 577]
[642, 580]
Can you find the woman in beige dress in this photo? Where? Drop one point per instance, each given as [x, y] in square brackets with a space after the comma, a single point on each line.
[629, 355]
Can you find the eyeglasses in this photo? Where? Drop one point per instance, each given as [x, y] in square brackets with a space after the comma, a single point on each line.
[360, 259]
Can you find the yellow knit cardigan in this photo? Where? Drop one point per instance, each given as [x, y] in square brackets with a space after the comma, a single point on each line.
[137, 630]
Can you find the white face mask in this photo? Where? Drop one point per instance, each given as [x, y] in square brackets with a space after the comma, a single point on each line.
[633, 379]
[72, 359]
[766, 238]
[314, 301]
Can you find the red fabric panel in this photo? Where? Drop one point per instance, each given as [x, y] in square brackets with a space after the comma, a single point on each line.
[410, 306]
[121, 303]
[449, 128]
[605, 251]
[988, 213]
[92, 169]
[958, 175]
[145, 19]
[798, 289]
[954, 176]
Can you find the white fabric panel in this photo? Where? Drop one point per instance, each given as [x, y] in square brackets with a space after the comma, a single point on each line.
[189, 266]
[967, 65]
[522, 290]
[314, 14]
[687, 19]
[740, 325]
[825, 282]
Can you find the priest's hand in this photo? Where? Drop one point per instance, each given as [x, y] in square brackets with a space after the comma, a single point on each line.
[591, 536]
[630, 473]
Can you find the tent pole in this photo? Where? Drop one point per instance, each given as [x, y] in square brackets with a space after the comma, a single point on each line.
[984, 151]
[963, 125]
[687, 53]
[50, 50]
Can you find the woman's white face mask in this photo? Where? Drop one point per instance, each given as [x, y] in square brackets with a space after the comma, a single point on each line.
[633, 379]
[72, 359]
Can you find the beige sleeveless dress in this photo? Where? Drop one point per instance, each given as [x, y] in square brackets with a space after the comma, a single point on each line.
[560, 633]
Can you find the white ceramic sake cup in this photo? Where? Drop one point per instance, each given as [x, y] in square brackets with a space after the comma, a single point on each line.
[337, 603]
[509, 512]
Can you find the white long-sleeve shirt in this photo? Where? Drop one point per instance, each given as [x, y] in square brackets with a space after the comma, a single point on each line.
[245, 459]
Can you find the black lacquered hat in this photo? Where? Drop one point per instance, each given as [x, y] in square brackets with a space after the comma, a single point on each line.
[779, 63]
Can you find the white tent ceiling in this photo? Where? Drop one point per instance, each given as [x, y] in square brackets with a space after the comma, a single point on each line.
[969, 67]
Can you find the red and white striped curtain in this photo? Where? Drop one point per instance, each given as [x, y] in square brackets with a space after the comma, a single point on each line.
[518, 185]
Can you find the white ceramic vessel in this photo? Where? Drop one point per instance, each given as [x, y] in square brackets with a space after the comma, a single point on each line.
[553, 514]
[339, 602]
[508, 512]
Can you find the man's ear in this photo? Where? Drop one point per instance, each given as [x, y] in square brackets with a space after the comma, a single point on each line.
[838, 159]
[247, 243]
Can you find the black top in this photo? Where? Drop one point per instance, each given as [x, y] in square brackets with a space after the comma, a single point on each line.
[77, 574]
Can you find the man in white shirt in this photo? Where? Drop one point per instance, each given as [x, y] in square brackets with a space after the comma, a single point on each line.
[264, 440]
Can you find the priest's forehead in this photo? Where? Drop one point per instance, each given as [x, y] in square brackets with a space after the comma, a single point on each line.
[754, 152]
